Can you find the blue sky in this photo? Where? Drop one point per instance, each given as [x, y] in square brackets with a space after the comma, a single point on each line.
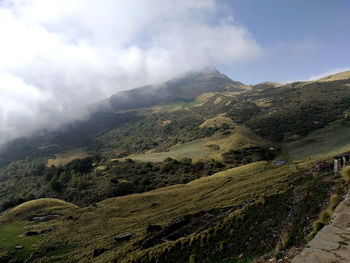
[299, 38]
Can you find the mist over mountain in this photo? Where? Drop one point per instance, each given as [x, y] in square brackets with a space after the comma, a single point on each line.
[174, 131]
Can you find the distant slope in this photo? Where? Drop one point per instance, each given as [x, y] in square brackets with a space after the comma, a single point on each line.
[156, 118]
[330, 140]
[231, 137]
[339, 76]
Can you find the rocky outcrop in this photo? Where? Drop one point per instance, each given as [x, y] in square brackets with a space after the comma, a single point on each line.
[45, 218]
[123, 237]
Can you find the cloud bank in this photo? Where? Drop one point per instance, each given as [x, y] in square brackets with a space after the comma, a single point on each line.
[58, 55]
[328, 72]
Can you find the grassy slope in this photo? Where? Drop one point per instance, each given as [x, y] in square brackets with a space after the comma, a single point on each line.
[319, 144]
[11, 236]
[239, 137]
[66, 157]
[95, 227]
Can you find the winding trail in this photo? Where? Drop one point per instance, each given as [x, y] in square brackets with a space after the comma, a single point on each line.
[332, 242]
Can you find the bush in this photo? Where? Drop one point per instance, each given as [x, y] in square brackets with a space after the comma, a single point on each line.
[346, 173]
[324, 216]
[123, 188]
[335, 199]
[65, 177]
[317, 225]
[55, 184]
[193, 258]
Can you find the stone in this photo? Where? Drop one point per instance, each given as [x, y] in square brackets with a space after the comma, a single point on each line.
[153, 228]
[51, 228]
[98, 251]
[29, 258]
[342, 220]
[18, 247]
[321, 255]
[31, 233]
[328, 236]
[332, 229]
[323, 244]
[123, 237]
[45, 218]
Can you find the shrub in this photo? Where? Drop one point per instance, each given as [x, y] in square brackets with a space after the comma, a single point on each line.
[335, 199]
[55, 184]
[317, 225]
[324, 216]
[346, 173]
[193, 258]
[65, 177]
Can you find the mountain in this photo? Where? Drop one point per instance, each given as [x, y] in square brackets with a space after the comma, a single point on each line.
[183, 88]
[161, 171]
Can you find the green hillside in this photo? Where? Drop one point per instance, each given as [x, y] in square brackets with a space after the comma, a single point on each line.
[189, 159]
[251, 192]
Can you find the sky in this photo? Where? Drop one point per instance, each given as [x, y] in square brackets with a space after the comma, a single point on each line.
[59, 55]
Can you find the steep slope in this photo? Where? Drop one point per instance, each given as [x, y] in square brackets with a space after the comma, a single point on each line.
[236, 215]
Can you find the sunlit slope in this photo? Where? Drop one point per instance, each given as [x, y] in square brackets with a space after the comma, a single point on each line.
[81, 230]
[235, 137]
[321, 143]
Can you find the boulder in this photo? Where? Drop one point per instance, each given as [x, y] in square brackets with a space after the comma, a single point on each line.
[31, 233]
[45, 218]
[123, 237]
[153, 228]
[98, 251]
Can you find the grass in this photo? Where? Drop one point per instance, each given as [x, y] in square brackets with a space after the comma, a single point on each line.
[10, 236]
[64, 158]
[177, 105]
[95, 227]
[30, 208]
[325, 216]
[239, 138]
[323, 142]
[196, 150]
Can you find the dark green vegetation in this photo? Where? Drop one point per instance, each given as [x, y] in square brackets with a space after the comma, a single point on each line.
[89, 180]
[223, 204]
[208, 218]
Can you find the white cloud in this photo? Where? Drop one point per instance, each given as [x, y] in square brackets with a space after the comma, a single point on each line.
[60, 54]
[328, 72]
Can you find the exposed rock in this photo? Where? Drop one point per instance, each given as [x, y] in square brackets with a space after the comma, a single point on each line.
[186, 225]
[34, 233]
[49, 249]
[29, 258]
[123, 237]
[51, 228]
[18, 247]
[15, 260]
[153, 228]
[45, 218]
[31, 233]
[98, 251]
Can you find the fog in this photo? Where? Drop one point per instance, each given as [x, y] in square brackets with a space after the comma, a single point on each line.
[57, 56]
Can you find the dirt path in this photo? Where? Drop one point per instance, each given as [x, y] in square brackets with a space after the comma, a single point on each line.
[332, 242]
